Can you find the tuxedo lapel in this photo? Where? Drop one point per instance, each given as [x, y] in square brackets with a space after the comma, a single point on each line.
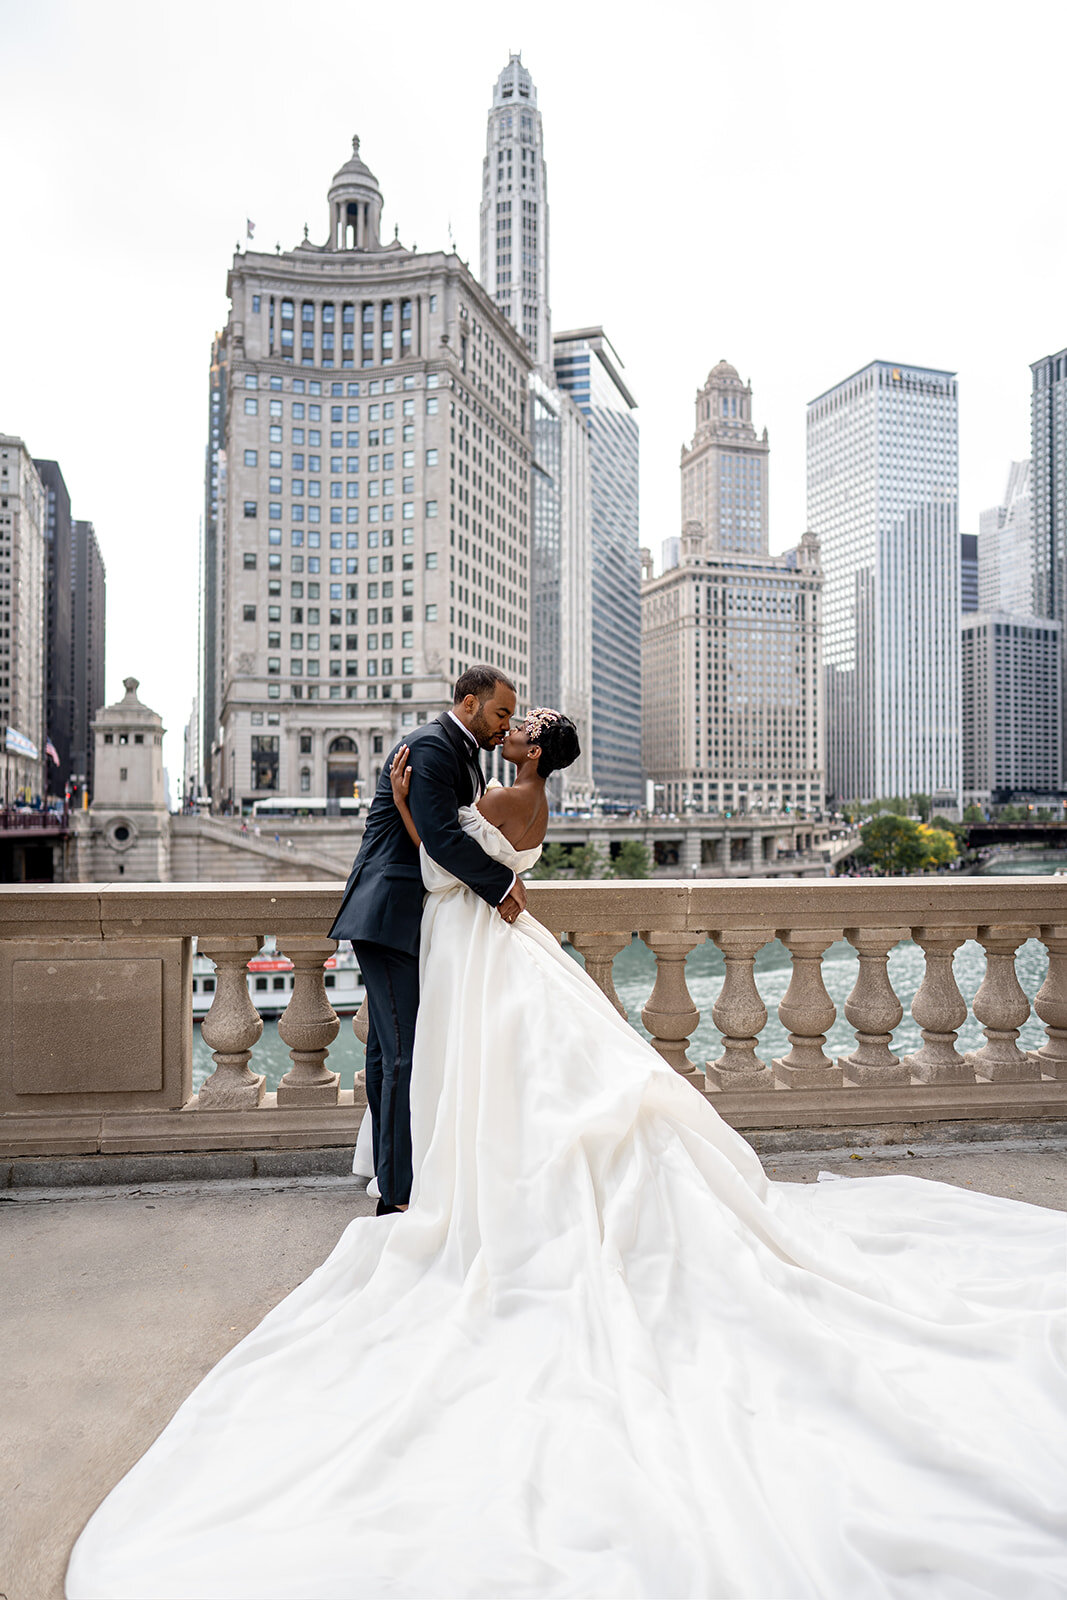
[467, 752]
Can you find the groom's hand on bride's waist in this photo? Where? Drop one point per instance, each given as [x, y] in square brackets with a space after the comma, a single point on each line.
[514, 902]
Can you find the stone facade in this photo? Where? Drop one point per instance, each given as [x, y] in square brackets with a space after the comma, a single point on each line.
[126, 831]
[372, 505]
[732, 684]
[724, 471]
[23, 647]
[514, 211]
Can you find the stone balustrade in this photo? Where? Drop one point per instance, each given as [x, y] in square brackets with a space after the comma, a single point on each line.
[96, 1022]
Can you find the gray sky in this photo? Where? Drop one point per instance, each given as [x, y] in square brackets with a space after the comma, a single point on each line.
[797, 188]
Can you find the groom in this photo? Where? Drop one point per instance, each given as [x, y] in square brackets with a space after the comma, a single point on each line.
[382, 907]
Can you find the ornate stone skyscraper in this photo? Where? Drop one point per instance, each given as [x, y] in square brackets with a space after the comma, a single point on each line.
[724, 470]
[731, 660]
[368, 503]
[514, 213]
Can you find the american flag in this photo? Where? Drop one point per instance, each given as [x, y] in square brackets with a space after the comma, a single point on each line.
[50, 750]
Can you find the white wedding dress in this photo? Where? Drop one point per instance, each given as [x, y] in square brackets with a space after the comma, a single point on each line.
[602, 1356]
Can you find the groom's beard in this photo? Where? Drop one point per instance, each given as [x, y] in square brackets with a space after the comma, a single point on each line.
[488, 738]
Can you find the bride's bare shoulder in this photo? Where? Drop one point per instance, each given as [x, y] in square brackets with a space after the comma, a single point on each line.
[521, 818]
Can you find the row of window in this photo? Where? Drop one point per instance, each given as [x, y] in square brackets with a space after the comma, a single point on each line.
[307, 668]
[338, 463]
[311, 411]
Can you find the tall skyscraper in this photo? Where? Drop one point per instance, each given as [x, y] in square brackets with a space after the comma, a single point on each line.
[373, 524]
[1048, 483]
[724, 470]
[58, 623]
[732, 690]
[588, 370]
[514, 212]
[883, 501]
[1006, 549]
[88, 585]
[561, 620]
[1048, 490]
[23, 650]
[209, 616]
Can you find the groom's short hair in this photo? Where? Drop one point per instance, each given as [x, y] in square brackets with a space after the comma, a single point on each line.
[481, 682]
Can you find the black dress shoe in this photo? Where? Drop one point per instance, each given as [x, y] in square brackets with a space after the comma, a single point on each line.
[382, 1210]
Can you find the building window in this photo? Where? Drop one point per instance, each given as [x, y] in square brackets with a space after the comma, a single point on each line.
[431, 560]
[250, 508]
[251, 458]
[431, 508]
[250, 613]
[249, 560]
[251, 406]
[265, 760]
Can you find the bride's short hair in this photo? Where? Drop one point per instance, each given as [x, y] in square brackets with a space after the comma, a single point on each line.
[558, 739]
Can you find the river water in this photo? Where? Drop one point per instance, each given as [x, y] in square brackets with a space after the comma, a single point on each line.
[635, 971]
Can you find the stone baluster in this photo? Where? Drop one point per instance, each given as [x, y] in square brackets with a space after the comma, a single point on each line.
[807, 1013]
[308, 1026]
[739, 1014]
[599, 950]
[670, 1015]
[231, 1028]
[1001, 1007]
[1051, 1005]
[873, 1010]
[939, 1009]
[361, 1023]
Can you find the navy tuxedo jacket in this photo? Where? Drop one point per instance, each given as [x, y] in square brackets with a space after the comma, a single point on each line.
[383, 897]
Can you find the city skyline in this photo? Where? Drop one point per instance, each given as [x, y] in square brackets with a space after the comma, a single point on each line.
[149, 218]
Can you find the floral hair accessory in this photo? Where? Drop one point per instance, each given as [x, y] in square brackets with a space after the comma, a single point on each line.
[538, 720]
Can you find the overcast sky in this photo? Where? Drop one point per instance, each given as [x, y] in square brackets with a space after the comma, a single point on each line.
[799, 188]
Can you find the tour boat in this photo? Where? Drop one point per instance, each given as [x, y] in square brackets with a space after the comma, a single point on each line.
[270, 982]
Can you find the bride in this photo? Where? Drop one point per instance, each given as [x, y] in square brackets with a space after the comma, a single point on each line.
[601, 1355]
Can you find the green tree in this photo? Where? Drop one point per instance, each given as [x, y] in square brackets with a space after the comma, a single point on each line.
[891, 844]
[921, 806]
[973, 814]
[634, 860]
[588, 862]
[552, 863]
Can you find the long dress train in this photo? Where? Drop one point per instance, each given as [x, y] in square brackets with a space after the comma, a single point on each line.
[602, 1356]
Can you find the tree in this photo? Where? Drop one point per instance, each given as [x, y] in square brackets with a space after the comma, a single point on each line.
[634, 860]
[938, 845]
[921, 805]
[972, 814]
[588, 861]
[891, 844]
[552, 863]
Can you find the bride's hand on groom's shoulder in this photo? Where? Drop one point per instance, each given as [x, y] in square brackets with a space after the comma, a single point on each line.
[400, 774]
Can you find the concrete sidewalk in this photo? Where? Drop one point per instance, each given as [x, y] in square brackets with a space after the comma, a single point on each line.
[115, 1302]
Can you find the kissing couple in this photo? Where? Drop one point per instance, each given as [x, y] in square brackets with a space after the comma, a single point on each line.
[600, 1356]
[431, 792]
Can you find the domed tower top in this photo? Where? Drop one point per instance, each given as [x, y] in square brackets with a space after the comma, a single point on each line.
[355, 206]
[724, 405]
[514, 83]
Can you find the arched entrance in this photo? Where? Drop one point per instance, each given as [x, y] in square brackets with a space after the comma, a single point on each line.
[342, 768]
